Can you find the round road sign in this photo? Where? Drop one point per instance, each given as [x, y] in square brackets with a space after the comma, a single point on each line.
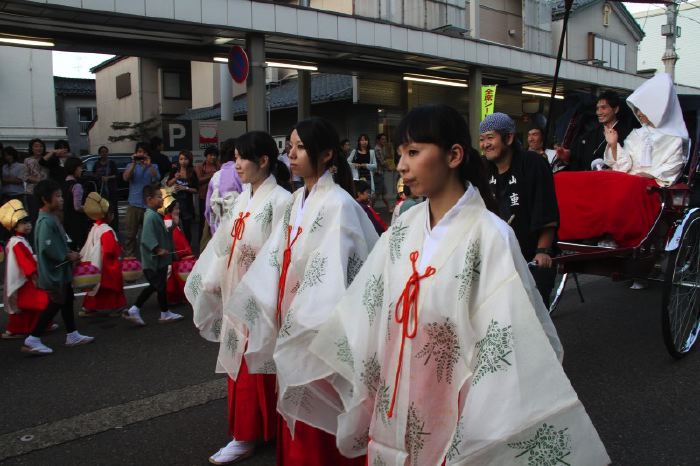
[238, 63]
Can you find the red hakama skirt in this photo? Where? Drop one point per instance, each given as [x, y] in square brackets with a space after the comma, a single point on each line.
[252, 406]
[310, 447]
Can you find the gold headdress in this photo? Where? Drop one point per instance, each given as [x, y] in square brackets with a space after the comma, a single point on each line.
[168, 199]
[96, 207]
[11, 213]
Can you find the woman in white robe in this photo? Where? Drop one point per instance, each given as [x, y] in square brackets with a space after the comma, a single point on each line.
[225, 260]
[441, 349]
[296, 281]
[656, 150]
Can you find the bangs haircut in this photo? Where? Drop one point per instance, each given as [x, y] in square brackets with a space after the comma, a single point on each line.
[434, 124]
[444, 127]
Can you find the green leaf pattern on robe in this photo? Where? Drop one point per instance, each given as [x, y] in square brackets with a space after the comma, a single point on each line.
[231, 341]
[415, 426]
[549, 447]
[196, 284]
[442, 345]
[252, 311]
[265, 215]
[470, 271]
[396, 240]
[344, 353]
[354, 266]
[313, 275]
[493, 350]
[373, 297]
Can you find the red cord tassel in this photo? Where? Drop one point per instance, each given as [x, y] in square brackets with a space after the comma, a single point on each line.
[408, 301]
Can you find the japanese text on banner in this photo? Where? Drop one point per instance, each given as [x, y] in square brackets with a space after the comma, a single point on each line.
[488, 100]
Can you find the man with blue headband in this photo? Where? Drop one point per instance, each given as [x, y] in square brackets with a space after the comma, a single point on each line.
[524, 188]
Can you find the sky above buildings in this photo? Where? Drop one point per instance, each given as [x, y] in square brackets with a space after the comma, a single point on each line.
[77, 65]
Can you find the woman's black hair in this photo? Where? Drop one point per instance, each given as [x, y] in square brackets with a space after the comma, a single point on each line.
[211, 150]
[146, 147]
[318, 136]
[228, 150]
[61, 144]
[12, 152]
[99, 149]
[359, 138]
[44, 190]
[190, 159]
[72, 164]
[253, 145]
[32, 142]
[443, 126]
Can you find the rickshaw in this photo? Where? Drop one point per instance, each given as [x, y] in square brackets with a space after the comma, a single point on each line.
[669, 254]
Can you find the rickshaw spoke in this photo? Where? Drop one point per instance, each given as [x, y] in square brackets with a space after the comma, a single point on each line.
[682, 306]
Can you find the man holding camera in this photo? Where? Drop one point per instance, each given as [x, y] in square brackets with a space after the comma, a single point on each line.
[139, 173]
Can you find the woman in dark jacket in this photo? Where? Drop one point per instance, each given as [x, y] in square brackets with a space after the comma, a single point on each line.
[185, 184]
[75, 222]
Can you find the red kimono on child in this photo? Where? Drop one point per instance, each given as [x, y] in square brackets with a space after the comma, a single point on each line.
[110, 295]
[22, 320]
[182, 249]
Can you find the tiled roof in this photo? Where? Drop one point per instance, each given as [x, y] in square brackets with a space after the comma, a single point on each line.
[324, 88]
[74, 86]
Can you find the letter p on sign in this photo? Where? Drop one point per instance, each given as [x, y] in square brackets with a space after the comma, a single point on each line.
[175, 131]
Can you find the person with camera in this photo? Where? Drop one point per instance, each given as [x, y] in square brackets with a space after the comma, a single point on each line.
[138, 174]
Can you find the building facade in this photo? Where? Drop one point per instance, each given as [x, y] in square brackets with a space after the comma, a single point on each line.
[75, 110]
[687, 46]
[27, 98]
[137, 90]
[599, 33]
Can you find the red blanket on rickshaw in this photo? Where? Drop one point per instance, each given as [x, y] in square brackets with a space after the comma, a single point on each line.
[597, 203]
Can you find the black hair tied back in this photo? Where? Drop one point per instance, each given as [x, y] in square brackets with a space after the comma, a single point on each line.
[443, 126]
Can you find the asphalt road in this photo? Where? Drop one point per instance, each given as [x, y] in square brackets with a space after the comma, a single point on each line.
[150, 395]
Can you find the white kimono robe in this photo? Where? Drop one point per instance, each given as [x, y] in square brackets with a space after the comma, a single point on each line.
[660, 150]
[92, 249]
[336, 237]
[479, 381]
[212, 279]
[14, 278]
[649, 152]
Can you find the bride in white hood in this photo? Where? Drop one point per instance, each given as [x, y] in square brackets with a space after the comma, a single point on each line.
[657, 149]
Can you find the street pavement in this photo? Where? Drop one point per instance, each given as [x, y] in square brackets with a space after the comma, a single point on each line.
[150, 395]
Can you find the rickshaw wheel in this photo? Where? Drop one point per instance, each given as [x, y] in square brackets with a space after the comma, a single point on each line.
[681, 296]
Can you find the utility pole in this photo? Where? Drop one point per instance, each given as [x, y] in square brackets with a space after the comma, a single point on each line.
[671, 32]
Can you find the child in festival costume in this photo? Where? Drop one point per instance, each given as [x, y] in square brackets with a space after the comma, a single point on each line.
[156, 256]
[55, 269]
[175, 289]
[23, 300]
[261, 205]
[441, 351]
[363, 195]
[103, 250]
[296, 280]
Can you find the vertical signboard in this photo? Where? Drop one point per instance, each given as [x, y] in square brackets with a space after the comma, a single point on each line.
[488, 100]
